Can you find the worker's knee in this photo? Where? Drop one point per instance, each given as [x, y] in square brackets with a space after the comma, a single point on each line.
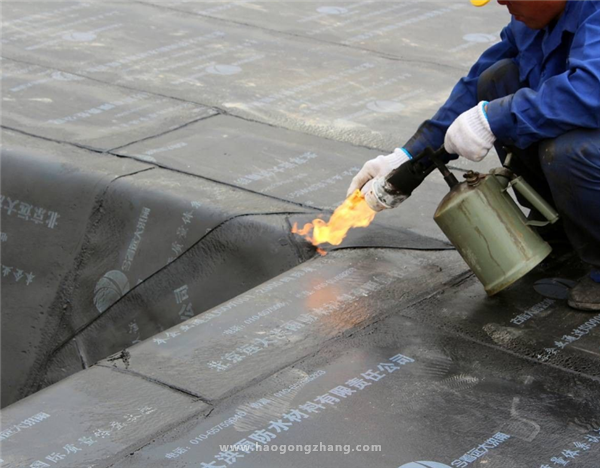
[499, 80]
[573, 156]
[571, 165]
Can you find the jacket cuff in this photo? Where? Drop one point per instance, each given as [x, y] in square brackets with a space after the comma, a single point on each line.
[405, 151]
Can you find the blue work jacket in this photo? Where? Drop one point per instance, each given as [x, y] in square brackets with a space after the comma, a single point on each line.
[559, 68]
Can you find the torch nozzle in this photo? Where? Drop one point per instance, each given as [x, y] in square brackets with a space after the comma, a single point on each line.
[380, 195]
[388, 192]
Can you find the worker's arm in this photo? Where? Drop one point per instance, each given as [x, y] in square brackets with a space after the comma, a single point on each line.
[463, 97]
[431, 133]
[564, 102]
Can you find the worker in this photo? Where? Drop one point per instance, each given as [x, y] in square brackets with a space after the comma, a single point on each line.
[537, 93]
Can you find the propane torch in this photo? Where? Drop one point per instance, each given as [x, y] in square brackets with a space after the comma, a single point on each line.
[478, 216]
[391, 190]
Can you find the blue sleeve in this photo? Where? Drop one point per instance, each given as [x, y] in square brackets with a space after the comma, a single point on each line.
[563, 102]
[464, 96]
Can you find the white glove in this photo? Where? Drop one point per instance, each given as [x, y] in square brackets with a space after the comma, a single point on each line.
[470, 135]
[379, 166]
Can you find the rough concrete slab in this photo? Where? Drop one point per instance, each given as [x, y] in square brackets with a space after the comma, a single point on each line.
[278, 162]
[287, 318]
[521, 320]
[49, 193]
[234, 257]
[319, 88]
[415, 31]
[91, 419]
[65, 107]
[427, 399]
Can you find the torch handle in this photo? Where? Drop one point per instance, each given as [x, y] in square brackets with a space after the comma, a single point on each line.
[410, 175]
[437, 158]
[407, 177]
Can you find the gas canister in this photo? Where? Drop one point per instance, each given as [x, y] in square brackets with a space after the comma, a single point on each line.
[489, 230]
[478, 216]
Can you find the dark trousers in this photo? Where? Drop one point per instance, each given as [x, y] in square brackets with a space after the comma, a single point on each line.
[564, 170]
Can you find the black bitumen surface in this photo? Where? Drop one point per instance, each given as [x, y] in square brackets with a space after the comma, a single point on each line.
[154, 158]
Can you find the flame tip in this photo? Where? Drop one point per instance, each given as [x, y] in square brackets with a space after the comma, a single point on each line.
[353, 212]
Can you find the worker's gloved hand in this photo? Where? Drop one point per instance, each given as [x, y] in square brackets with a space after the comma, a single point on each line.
[379, 166]
[470, 135]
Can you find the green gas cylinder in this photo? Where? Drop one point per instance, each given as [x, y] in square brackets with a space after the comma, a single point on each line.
[489, 230]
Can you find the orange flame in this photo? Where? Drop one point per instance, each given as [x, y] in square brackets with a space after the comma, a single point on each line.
[354, 212]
